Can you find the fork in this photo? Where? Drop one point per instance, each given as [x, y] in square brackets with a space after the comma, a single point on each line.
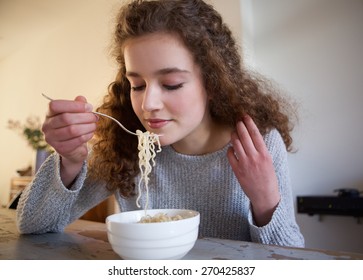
[101, 114]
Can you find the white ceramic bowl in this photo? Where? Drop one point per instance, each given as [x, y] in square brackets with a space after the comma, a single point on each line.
[141, 241]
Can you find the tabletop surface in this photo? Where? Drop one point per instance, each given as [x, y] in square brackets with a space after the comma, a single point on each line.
[85, 240]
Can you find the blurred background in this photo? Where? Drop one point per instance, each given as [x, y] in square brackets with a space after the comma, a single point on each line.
[311, 48]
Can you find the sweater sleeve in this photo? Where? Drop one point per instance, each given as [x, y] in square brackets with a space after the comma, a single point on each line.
[282, 229]
[46, 205]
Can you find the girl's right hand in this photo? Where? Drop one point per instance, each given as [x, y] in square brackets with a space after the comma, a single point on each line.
[68, 126]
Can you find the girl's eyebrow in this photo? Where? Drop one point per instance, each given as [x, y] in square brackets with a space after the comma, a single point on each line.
[163, 71]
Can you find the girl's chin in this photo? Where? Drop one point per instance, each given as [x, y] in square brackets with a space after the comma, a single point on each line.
[165, 141]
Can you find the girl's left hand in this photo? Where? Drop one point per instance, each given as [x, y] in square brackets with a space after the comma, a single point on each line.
[252, 164]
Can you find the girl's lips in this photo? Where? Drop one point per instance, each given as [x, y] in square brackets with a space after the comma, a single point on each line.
[156, 123]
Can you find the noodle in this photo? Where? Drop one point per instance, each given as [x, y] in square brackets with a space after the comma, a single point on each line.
[160, 218]
[147, 155]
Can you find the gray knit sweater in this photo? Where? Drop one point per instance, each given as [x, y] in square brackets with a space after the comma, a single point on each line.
[204, 183]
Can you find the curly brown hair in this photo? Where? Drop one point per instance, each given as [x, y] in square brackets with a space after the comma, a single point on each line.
[233, 91]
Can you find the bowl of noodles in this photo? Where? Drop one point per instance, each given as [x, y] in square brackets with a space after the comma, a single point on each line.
[160, 234]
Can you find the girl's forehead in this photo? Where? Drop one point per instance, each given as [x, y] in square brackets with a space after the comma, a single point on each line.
[159, 50]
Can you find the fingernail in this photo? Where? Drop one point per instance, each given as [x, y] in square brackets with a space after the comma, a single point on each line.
[88, 107]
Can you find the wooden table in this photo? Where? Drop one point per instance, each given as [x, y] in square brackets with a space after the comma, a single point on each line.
[87, 240]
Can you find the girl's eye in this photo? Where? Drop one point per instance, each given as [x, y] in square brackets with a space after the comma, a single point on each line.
[173, 87]
[138, 88]
[167, 87]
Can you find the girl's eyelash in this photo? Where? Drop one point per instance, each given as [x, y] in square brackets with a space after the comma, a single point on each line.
[173, 87]
[168, 87]
[137, 88]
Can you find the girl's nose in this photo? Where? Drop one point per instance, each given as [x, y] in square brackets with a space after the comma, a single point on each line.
[152, 99]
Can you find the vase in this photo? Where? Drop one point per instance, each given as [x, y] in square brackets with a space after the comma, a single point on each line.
[41, 156]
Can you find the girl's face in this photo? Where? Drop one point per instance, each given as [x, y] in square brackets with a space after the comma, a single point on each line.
[167, 91]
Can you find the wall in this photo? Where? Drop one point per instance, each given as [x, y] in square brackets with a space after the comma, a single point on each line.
[313, 49]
